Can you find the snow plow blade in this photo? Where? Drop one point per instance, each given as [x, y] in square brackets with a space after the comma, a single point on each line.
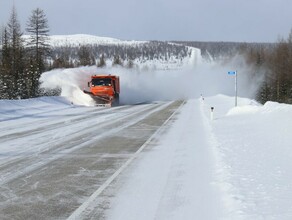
[100, 101]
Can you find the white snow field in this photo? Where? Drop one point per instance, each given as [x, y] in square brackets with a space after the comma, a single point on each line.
[236, 166]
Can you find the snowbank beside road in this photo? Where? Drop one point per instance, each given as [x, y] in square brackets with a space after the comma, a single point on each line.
[253, 143]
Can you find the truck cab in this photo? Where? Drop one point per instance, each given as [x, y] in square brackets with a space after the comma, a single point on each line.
[104, 89]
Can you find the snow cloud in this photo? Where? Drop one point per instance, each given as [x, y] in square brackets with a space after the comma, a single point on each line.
[195, 78]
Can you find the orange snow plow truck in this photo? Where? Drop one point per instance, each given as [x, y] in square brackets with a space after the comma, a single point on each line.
[104, 89]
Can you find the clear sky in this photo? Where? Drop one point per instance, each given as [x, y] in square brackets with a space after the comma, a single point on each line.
[197, 20]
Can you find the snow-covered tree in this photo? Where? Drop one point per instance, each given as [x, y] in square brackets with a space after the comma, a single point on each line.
[85, 57]
[13, 57]
[101, 62]
[117, 61]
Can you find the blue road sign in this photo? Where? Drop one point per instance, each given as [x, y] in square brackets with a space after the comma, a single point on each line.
[231, 72]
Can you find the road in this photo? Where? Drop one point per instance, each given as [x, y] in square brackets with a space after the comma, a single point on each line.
[56, 161]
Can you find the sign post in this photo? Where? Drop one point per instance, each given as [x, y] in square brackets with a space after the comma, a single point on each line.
[235, 74]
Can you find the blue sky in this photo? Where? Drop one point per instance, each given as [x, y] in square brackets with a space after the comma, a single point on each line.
[198, 20]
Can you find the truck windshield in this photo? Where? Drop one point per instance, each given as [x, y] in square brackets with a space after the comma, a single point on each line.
[101, 82]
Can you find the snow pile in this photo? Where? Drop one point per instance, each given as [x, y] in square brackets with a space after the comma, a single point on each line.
[249, 108]
[254, 107]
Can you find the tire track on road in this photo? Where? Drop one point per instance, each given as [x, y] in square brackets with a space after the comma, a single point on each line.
[58, 148]
[51, 187]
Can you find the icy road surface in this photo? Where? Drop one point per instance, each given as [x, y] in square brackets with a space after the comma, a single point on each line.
[54, 156]
[163, 160]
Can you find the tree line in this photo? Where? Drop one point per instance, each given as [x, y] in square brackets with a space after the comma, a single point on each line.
[69, 56]
[274, 65]
[21, 63]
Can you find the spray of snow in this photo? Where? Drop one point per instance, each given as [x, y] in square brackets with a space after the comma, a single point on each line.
[194, 78]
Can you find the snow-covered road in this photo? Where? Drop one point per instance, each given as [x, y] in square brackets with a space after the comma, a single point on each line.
[176, 179]
[55, 155]
[163, 160]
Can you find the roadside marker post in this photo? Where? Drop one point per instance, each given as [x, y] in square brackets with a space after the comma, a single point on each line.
[235, 74]
[212, 113]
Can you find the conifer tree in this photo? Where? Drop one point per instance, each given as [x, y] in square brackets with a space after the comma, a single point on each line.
[117, 61]
[5, 64]
[38, 29]
[13, 57]
[101, 62]
[85, 58]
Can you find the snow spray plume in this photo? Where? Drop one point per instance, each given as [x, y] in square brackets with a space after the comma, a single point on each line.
[194, 78]
[71, 81]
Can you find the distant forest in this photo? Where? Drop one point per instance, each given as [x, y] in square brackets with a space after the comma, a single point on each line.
[123, 55]
[22, 63]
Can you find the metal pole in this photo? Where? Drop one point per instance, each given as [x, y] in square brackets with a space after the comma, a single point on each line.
[235, 88]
